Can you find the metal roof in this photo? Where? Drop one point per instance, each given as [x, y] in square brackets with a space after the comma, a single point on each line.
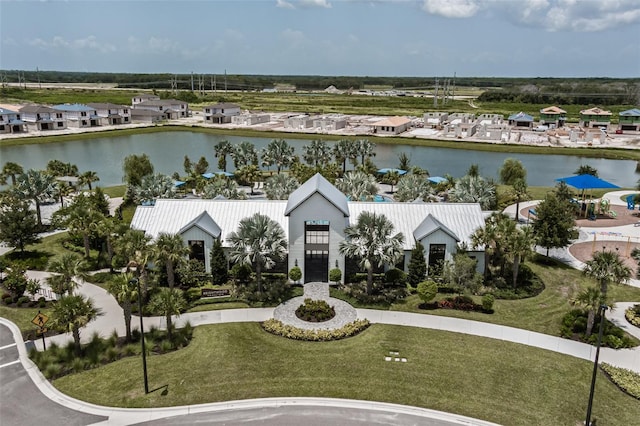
[73, 107]
[521, 116]
[204, 222]
[107, 106]
[7, 111]
[429, 225]
[635, 112]
[392, 122]
[37, 109]
[322, 186]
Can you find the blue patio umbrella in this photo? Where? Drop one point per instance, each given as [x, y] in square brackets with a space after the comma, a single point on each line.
[210, 174]
[587, 182]
[178, 183]
[385, 171]
[436, 179]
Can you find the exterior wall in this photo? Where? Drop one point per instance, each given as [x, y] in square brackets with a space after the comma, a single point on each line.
[250, 119]
[391, 130]
[316, 207]
[137, 99]
[440, 237]
[195, 233]
[298, 123]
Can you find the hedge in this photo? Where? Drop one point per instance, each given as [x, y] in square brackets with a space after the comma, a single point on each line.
[628, 381]
[276, 327]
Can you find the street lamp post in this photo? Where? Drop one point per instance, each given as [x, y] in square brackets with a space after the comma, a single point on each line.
[602, 310]
[144, 351]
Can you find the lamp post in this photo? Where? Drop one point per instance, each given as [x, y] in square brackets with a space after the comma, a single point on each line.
[144, 351]
[602, 310]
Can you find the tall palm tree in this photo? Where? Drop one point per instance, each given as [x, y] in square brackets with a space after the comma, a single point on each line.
[365, 149]
[67, 267]
[412, 187]
[259, 241]
[222, 185]
[392, 177]
[248, 174]
[591, 299]
[343, 150]
[62, 190]
[605, 267]
[35, 185]
[279, 187]
[520, 246]
[223, 148]
[125, 291]
[244, 154]
[134, 248]
[81, 217]
[88, 177]
[73, 312]
[10, 170]
[277, 152]
[371, 241]
[154, 186]
[170, 250]
[358, 186]
[493, 236]
[317, 153]
[168, 302]
[474, 189]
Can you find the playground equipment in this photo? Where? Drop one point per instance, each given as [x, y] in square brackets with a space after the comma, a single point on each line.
[604, 208]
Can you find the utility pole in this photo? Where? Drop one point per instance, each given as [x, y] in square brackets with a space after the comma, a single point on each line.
[38, 74]
[435, 95]
[192, 81]
[225, 81]
[215, 87]
[453, 95]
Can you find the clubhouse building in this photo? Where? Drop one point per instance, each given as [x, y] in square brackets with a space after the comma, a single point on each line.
[314, 219]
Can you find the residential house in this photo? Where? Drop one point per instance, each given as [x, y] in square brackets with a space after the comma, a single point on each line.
[147, 115]
[10, 121]
[144, 97]
[43, 117]
[330, 123]
[553, 116]
[112, 114]
[250, 119]
[172, 109]
[391, 125]
[435, 119]
[299, 122]
[220, 113]
[629, 120]
[314, 219]
[595, 117]
[78, 115]
[521, 120]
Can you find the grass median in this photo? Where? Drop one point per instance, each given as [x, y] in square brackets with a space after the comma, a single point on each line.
[498, 381]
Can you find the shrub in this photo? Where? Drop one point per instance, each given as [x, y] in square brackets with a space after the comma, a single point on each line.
[22, 300]
[276, 327]
[628, 381]
[295, 274]
[461, 303]
[427, 290]
[487, 301]
[632, 315]
[335, 275]
[315, 311]
[574, 325]
[395, 276]
[381, 295]
[241, 272]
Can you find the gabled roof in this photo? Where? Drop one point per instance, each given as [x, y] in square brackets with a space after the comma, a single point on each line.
[73, 107]
[322, 186]
[429, 225]
[161, 102]
[205, 223]
[7, 111]
[552, 110]
[222, 106]
[521, 116]
[635, 112]
[392, 122]
[36, 109]
[595, 111]
[107, 106]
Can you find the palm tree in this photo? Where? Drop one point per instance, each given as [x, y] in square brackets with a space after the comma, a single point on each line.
[520, 245]
[317, 153]
[370, 240]
[125, 291]
[591, 299]
[474, 189]
[62, 190]
[392, 177]
[277, 152]
[88, 177]
[605, 267]
[10, 170]
[170, 250]
[37, 186]
[412, 187]
[586, 169]
[279, 187]
[154, 186]
[223, 148]
[109, 229]
[358, 186]
[493, 237]
[259, 241]
[168, 302]
[133, 248]
[82, 218]
[404, 161]
[365, 149]
[66, 268]
[223, 186]
[343, 150]
[244, 154]
[73, 312]
[248, 174]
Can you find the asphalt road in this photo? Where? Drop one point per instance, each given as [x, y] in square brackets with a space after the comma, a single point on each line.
[21, 402]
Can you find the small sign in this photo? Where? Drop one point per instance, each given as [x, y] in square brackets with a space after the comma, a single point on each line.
[215, 292]
[41, 330]
[40, 319]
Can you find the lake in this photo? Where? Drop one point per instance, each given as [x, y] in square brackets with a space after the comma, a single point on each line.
[167, 150]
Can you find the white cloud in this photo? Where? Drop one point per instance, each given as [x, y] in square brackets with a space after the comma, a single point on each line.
[303, 4]
[59, 42]
[285, 4]
[451, 8]
[295, 38]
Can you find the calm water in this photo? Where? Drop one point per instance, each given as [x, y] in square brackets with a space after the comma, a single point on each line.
[167, 151]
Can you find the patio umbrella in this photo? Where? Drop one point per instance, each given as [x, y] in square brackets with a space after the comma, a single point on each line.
[436, 179]
[385, 171]
[585, 182]
[178, 183]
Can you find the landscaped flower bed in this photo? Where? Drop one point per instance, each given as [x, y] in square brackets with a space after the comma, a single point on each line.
[633, 315]
[463, 303]
[276, 327]
[315, 311]
[628, 381]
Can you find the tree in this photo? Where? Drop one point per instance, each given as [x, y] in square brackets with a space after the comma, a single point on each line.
[554, 226]
[99, 201]
[18, 224]
[343, 150]
[62, 189]
[219, 264]
[222, 149]
[520, 191]
[417, 265]
[10, 170]
[133, 248]
[365, 149]
[37, 186]
[404, 161]
[73, 312]
[244, 154]
[248, 174]
[225, 187]
[493, 236]
[16, 281]
[66, 268]
[168, 302]
[81, 217]
[358, 186]
[57, 168]
[606, 267]
[474, 189]
[135, 167]
[591, 299]
[511, 171]
[187, 165]
[412, 187]
[125, 290]
[201, 166]
[259, 241]
[586, 169]
[170, 250]
[474, 170]
[88, 177]
[520, 246]
[152, 187]
[279, 153]
[317, 153]
[391, 178]
[427, 290]
[461, 273]
[371, 242]
[279, 187]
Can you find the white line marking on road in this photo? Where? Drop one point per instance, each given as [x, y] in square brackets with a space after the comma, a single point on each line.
[10, 363]
[8, 346]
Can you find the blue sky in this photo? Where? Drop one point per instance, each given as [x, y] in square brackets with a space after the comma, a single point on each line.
[523, 38]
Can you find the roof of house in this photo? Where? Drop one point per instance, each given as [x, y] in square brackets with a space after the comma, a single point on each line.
[7, 111]
[392, 122]
[161, 102]
[222, 106]
[36, 109]
[552, 110]
[430, 225]
[595, 111]
[205, 222]
[322, 186]
[521, 116]
[107, 106]
[635, 112]
[73, 108]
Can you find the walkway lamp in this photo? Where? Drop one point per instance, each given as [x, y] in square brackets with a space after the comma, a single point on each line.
[602, 310]
[144, 351]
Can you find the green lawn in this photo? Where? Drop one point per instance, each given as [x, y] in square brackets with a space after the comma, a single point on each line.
[22, 317]
[219, 306]
[489, 379]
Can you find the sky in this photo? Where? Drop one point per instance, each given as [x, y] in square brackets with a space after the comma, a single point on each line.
[471, 38]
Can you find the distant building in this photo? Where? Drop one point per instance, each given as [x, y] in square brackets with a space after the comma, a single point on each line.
[521, 120]
[299, 122]
[250, 119]
[595, 117]
[43, 117]
[78, 115]
[330, 123]
[629, 120]
[433, 119]
[553, 116]
[112, 114]
[220, 113]
[10, 121]
[391, 125]
[137, 99]
[147, 116]
[172, 109]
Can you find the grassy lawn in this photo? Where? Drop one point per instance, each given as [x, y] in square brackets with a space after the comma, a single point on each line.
[115, 191]
[542, 313]
[493, 380]
[22, 316]
[219, 306]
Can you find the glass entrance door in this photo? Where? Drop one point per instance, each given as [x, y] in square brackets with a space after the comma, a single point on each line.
[316, 251]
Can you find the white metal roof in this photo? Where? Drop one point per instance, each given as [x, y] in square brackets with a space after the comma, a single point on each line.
[322, 186]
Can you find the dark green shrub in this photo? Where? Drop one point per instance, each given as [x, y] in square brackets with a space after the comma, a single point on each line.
[395, 276]
[315, 311]
[22, 300]
[274, 326]
[427, 290]
[295, 274]
[487, 302]
[574, 325]
[335, 275]
[241, 272]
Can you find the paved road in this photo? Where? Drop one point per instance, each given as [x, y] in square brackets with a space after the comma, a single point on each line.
[21, 402]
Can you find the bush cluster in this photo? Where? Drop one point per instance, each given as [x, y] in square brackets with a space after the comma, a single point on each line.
[574, 326]
[382, 295]
[274, 291]
[276, 327]
[315, 311]
[462, 303]
[633, 315]
[628, 381]
[529, 285]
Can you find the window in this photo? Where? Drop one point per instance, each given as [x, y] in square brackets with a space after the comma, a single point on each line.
[436, 258]
[60, 124]
[196, 248]
[126, 119]
[316, 233]
[58, 115]
[83, 114]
